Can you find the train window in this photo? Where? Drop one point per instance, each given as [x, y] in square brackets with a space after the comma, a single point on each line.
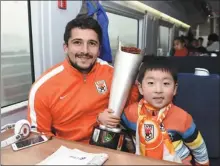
[16, 75]
[164, 39]
[123, 27]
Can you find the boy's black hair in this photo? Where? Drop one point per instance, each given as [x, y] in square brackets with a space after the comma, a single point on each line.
[181, 39]
[82, 23]
[157, 63]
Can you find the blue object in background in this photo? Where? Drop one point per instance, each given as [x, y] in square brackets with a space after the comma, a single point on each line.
[94, 8]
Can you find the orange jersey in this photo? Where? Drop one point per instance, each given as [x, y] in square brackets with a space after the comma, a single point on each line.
[185, 136]
[69, 102]
[182, 52]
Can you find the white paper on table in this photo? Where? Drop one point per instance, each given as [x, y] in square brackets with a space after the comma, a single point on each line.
[66, 156]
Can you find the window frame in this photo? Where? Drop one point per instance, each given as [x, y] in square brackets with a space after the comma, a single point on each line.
[170, 29]
[114, 8]
[21, 104]
[138, 21]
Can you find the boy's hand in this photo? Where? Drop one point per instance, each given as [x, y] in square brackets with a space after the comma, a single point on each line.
[107, 119]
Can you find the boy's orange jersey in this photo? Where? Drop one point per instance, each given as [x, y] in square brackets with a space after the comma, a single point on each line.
[63, 99]
[182, 130]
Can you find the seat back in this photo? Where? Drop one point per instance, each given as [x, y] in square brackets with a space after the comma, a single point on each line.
[189, 63]
[199, 96]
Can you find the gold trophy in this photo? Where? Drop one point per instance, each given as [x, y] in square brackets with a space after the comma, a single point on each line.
[125, 71]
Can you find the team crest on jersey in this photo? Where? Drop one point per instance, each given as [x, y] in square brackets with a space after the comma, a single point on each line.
[101, 86]
[149, 132]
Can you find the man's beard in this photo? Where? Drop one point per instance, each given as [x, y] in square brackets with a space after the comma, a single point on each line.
[76, 66]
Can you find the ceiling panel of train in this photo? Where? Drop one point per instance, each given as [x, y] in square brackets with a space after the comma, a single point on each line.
[193, 12]
[214, 6]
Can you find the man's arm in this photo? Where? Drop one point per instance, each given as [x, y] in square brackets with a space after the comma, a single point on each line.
[107, 119]
[193, 139]
[39, 114]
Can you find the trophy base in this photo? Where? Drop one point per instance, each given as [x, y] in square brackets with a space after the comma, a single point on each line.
[115, 130]
[112, 138]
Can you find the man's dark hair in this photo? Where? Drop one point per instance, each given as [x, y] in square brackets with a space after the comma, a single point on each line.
[213, 37]
[82, 23]
[200, 38]
[157, 63]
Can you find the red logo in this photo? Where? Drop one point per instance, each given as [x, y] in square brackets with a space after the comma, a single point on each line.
[101, 86]
[149, 131]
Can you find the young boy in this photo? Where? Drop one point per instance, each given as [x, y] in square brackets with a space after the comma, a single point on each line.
[163, 130]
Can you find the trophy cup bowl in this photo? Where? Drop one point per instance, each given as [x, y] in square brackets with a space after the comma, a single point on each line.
[125, 70]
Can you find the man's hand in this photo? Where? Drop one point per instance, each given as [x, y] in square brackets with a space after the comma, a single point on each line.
[107, 119]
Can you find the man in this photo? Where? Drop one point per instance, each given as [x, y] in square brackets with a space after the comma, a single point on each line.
[213, 43]
[200, 48]
[70, 98]
[200, 42]
[195, 43]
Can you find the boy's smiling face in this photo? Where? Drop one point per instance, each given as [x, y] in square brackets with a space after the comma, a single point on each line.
[158, 88]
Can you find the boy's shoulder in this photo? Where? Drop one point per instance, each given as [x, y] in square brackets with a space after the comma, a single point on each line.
[181, 113]
[179, 118]
[178, 109]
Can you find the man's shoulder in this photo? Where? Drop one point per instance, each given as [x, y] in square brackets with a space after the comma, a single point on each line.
[47, 78]
[104, 70]
[104, 65]
[52, 71]
[214, 46]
